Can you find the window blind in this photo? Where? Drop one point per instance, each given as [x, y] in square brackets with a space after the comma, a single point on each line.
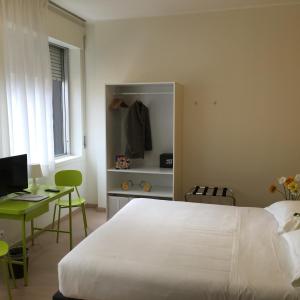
[57, 62]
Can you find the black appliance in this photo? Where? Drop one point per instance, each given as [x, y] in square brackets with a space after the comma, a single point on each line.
[13, 174]
[166, 160]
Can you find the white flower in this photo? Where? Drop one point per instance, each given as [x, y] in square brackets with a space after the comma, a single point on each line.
[297, 178]
[281, 180]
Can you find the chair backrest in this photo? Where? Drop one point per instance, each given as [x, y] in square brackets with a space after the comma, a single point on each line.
[3, 248]
[68, 178]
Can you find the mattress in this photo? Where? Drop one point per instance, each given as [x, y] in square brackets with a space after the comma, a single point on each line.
[160, 250]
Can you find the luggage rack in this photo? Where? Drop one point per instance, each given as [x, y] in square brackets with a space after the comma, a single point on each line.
[206, 191]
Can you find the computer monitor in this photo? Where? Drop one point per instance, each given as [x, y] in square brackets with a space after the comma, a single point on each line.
[13, 174]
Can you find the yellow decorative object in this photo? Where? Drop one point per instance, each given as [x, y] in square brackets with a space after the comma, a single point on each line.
[125, 185]
[146, 186]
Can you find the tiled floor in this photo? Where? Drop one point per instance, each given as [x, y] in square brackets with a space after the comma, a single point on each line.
[45, 255]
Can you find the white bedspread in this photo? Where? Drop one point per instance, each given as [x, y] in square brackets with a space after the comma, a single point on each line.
[159, 250]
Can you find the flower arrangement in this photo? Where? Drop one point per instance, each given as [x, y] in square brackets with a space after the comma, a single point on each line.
[289, 187]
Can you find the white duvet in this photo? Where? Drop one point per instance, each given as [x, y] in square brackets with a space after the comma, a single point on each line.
[161, 250]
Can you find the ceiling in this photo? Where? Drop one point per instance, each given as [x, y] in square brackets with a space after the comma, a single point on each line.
[95, 10]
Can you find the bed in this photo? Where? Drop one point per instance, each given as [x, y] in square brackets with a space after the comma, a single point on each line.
[158, 250]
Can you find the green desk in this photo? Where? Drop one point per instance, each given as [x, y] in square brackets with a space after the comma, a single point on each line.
[25, 211]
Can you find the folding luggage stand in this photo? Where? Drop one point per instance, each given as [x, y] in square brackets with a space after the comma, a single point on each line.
[206, 191]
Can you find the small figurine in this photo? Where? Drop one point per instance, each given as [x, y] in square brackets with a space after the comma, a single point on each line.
[146, 186]
[125, 185]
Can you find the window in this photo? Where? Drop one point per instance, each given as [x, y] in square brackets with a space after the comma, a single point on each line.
[59, 68]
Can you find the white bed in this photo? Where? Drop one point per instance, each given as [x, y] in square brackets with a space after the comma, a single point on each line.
[158, 250]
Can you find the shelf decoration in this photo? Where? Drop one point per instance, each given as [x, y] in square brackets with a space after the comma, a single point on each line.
[125, 185]
[146, 186]
[122, 162]
[128, 184]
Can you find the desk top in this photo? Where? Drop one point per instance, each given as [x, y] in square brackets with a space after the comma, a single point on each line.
[14, 207]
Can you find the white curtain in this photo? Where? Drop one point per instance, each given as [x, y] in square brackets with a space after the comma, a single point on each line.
[4, 137]
[26, 101]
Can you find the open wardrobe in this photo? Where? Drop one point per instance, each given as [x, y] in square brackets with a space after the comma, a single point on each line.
[144, 138]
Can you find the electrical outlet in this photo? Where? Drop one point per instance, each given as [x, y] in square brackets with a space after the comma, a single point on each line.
[1, 234]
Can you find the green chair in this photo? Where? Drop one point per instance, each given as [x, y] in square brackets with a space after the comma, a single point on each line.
[5, 264]
[69, 178]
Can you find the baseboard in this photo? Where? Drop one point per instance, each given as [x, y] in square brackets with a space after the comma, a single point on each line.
[95, 206]
[91, 205]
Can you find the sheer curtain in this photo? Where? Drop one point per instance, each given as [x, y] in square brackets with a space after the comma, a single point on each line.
[4, 138]
[27, 96]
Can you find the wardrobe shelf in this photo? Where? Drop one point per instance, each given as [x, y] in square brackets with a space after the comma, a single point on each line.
[156, 191]
[149, 170]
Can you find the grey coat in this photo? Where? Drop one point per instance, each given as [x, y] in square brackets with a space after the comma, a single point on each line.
[138, 131]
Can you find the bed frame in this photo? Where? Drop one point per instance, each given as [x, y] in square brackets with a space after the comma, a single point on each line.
[59, 296]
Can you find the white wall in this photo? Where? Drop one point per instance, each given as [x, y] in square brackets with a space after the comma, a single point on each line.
[64, 30]
[95, 122]
[240, 70]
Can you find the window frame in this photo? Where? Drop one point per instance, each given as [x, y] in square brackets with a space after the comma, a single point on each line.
[65, 101]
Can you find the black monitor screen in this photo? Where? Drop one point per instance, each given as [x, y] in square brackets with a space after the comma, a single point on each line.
[13, 174]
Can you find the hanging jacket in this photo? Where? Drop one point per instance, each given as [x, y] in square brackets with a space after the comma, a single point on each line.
[138, 131]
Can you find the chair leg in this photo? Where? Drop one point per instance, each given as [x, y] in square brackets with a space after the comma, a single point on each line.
[6, 277]
[58, 223]
[84, 219]
[54, 214]
[11, 270]
[32, 232]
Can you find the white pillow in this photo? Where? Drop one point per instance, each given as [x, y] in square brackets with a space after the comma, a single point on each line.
[293, 240]
[283, 212]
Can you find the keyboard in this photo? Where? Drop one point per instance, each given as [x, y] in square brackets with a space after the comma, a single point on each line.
[30, 197]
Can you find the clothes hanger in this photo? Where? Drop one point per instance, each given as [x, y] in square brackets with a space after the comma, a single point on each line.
[117, 103]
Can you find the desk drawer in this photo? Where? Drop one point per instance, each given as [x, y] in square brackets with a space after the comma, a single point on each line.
[37, 212]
